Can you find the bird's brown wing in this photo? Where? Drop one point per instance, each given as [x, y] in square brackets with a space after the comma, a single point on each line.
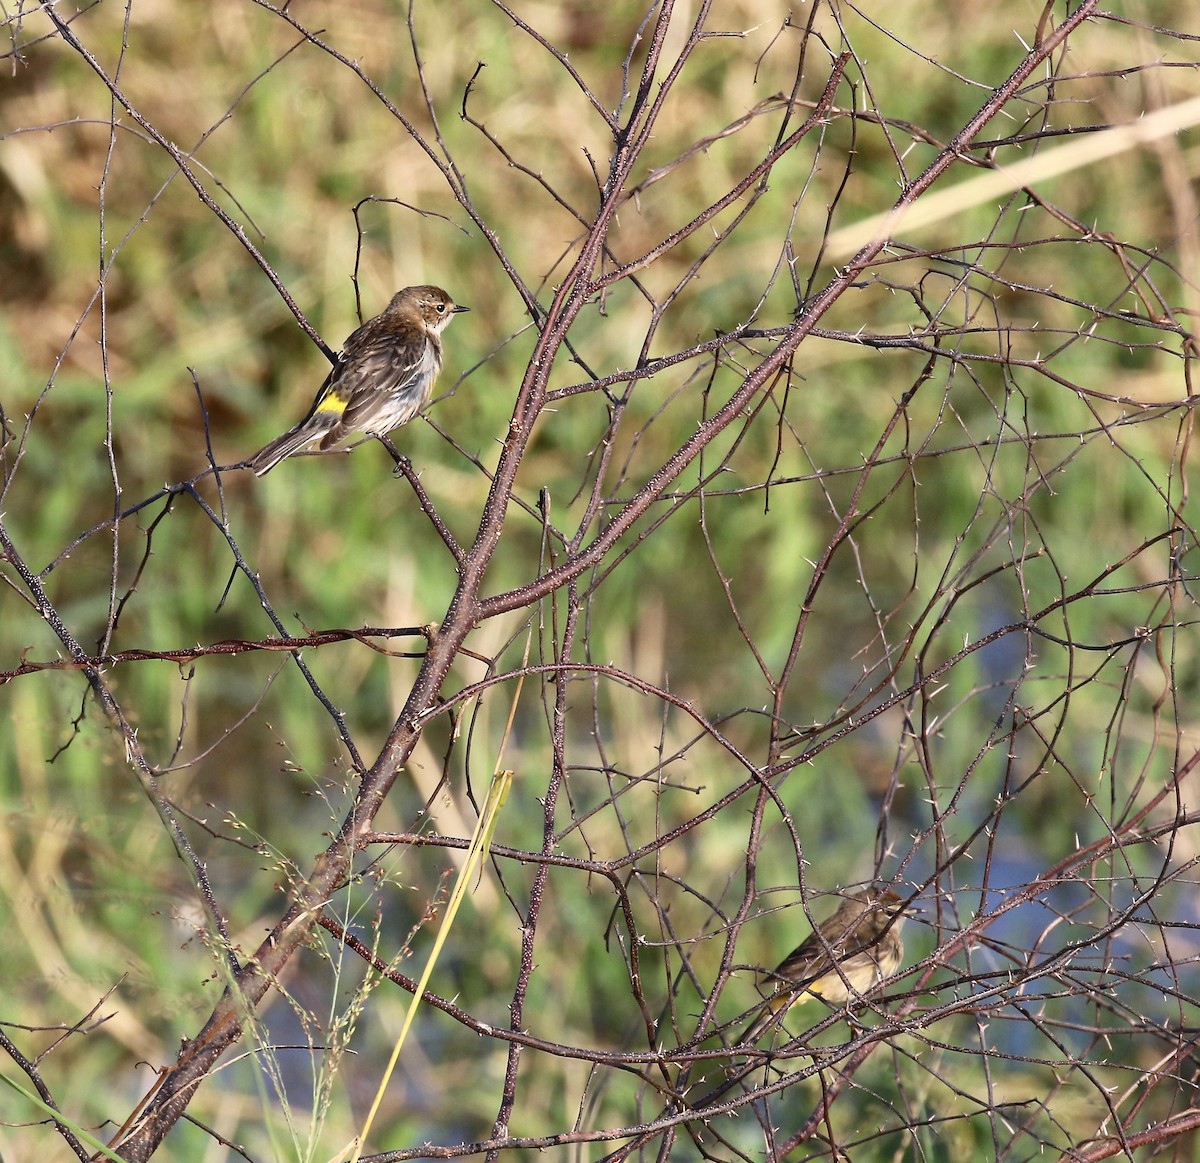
[379, 383]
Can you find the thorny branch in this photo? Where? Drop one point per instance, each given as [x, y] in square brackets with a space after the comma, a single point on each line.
[641, 478]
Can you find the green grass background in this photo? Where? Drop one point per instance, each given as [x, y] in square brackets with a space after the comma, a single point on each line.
[289, 142]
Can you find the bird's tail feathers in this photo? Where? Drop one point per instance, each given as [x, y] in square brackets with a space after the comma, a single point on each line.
[769, 1015]
[284, 446]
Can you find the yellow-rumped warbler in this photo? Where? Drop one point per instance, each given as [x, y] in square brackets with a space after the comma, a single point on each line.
[382, 379]
[845, 957]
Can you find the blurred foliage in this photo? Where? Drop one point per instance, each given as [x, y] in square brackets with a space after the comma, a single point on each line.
[1008, 482]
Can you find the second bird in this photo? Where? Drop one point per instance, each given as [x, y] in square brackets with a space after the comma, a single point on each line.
[847, 956]
[382, 379]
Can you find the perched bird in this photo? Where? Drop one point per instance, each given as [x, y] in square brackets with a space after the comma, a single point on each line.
[845, 957]
[382, 379]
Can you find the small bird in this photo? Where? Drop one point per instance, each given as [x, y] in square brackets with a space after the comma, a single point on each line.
[382, 379]
[845, 957]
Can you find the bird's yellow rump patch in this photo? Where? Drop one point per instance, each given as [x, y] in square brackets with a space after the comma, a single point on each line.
[332, 403]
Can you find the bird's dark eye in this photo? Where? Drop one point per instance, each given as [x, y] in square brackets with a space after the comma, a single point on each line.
[441, 308]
